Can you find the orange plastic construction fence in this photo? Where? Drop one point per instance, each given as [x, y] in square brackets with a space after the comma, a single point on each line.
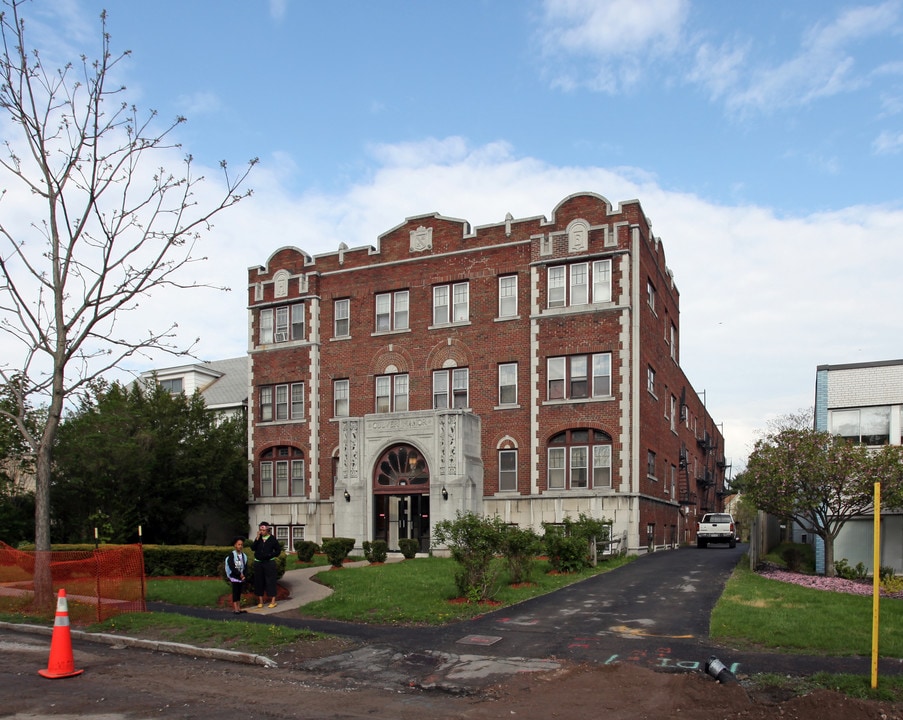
[99, 584]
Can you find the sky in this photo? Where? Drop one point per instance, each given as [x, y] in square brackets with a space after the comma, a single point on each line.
[763, 140]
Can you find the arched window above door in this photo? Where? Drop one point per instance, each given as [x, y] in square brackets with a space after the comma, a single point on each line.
[401, 466]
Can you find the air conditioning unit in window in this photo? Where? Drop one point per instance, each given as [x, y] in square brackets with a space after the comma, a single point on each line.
[281, 336]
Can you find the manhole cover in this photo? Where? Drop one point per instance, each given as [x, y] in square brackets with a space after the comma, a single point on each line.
[479, 640]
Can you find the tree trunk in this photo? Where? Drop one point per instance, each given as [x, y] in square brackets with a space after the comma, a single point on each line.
[829, 555]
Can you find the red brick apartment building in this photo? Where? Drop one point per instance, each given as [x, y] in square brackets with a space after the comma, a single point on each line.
[528, 369]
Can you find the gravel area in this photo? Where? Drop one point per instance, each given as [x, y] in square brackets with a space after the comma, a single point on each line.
[820, 582]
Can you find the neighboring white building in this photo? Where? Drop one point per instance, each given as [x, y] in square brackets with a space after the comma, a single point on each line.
[222, 383]
[864, 403]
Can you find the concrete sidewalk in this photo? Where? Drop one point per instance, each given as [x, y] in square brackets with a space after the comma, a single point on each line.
[304, 589]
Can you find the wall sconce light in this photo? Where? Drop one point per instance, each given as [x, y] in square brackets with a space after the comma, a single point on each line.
[347, 496]
[444, 493]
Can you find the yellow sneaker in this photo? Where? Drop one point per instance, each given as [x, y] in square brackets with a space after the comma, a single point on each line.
[272, 604]
[260, 605]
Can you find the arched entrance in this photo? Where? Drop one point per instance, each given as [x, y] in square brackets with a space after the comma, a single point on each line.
[401, 497]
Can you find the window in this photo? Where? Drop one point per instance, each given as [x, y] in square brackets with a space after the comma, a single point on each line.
[673, 341]
[282, 472]
[391, 393]
[650, 294]
[282, 324]
[650, 380]
[173, 386]
[673, 414]
[297, 535]
[508, 296]
[570, 378]
[673, 481]
[451, 303]
[602, 281]
[579, 284]
[650, 463]
[342, 319]
[507, 470]
[508, 384]
[281, 402]
[457, 381]
[392, 311]
[869, 425]
[340, 398]
[266, 404]
[579, 459]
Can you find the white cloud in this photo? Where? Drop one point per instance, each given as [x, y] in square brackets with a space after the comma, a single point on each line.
[764, 299]
[199, 103]
[823, 66]
[278, 9]
[888, 143]
[616, 38]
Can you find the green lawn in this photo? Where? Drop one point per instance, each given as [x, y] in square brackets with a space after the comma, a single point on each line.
[755, 612]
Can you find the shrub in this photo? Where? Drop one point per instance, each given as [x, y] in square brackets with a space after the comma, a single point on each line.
[409, 547]
[566, 554]
[306, 550]
[473, 542]
[520, 546]
[568, 544]
[843, 570]
[337, 550]
[376, 551]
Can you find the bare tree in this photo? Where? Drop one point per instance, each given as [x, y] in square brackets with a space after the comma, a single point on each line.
[106, 230]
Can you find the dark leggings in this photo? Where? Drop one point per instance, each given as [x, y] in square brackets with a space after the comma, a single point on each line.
[236, 590]
[265, 578]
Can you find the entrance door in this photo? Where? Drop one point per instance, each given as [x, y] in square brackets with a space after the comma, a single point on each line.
[402, 516]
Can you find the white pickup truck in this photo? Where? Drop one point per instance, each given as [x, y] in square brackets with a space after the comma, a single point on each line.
[717, 528]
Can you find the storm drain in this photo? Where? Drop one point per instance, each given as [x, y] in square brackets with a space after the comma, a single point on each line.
[484, 640]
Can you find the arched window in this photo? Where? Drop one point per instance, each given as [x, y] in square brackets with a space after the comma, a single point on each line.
[282, 472]
[579, 459]
[401, 465]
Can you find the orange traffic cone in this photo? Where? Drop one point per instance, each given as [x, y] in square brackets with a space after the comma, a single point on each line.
[61, 663]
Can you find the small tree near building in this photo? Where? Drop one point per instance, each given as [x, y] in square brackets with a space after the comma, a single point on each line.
[821, 481]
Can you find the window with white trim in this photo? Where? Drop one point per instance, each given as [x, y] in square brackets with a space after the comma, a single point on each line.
[282, 472]
[508, 384]
[508, 296]
[650, 295]
[340, 398]
[392, 311]
[579, 459]
[578, 376]
[650, 463]
[650, 379]
[578, 284]
[281, 402]
[281, 324]
[451, 388]
[342, 318]
[507, 470]
[391, 393]
[451, 303]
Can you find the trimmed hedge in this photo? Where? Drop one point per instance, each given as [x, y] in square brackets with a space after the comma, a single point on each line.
[185, 560]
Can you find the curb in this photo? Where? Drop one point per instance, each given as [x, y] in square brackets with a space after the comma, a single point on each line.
[154, 645]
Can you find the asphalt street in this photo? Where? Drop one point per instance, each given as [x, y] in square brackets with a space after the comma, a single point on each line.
[654, 611]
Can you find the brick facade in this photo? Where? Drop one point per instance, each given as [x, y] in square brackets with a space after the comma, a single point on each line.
[531, 369]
